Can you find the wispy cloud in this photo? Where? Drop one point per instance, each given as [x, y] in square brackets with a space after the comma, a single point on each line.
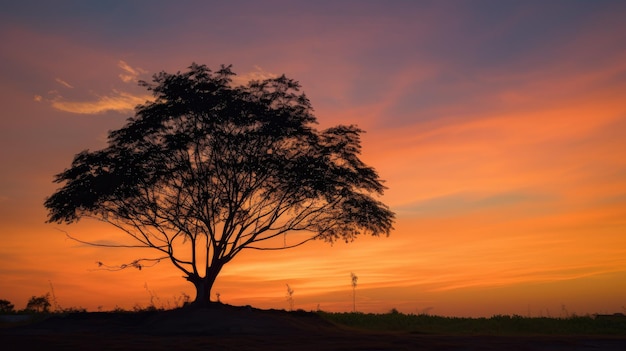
[130, 74]
[258, 74]
[122, 101]
[64, 83]
[117, 101]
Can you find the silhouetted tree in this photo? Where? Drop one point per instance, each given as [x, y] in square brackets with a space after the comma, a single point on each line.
[6, 306]
[39, 304]
[208, 169]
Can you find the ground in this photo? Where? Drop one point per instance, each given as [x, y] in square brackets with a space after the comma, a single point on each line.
[244, 328]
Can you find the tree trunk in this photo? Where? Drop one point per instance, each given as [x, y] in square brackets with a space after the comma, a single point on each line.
[203, 286]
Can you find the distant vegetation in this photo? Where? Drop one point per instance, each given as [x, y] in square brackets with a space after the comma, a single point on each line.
[37, 305]
[496, 325]
[395, 321]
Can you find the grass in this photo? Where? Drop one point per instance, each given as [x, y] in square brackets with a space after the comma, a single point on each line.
[501, 325]
[394, 321]
[496, 325]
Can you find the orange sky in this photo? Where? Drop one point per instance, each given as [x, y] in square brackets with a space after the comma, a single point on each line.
[500, 130]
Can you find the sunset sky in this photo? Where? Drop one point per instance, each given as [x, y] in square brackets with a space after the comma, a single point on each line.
[499, 128]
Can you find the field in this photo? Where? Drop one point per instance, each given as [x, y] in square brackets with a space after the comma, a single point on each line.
[497, 325]
[244, 328]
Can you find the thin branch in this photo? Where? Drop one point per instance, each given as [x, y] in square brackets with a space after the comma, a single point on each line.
[134, 264]
[102, 245]
[280, 248]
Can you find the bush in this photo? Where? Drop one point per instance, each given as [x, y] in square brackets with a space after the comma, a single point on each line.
[6, 307]
[39, 304]
[74, 310]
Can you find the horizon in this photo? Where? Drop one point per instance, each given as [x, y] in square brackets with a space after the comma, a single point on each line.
[497, 128]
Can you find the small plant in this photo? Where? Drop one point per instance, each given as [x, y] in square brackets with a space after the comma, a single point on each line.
[184, 298]
[57, 307]
[153, 296]
[137, 308]
[564, 312]
[290, 297]
[354, 280]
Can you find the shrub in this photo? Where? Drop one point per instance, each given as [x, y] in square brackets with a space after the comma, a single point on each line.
[39, 304]
[6, 307]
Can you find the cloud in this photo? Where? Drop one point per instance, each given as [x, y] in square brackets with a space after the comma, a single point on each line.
[117, 101]
[130, 74]
[461, 203]
[122, 101]
[64, 83]
[258, 74]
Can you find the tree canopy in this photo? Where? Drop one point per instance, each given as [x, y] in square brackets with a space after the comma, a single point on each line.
[207, 169]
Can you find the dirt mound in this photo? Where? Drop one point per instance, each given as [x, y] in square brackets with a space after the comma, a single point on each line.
[227, 320]
[216, 320]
